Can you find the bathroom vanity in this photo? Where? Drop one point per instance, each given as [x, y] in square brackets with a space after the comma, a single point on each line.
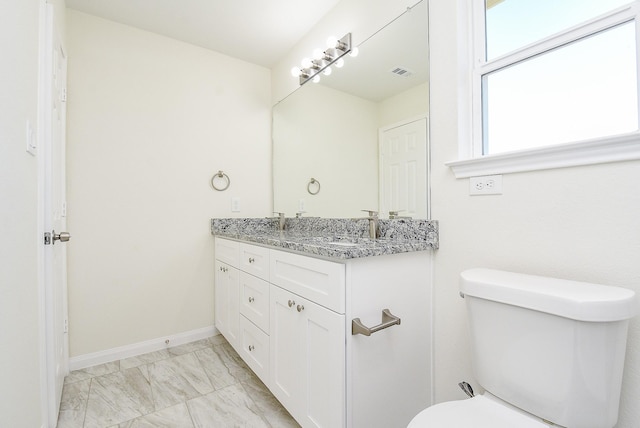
[342, 338]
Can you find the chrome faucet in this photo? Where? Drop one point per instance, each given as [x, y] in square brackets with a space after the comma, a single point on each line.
[374, 231]
[281, 220]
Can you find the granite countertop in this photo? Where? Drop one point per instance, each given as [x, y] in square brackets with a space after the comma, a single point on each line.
[332, 238]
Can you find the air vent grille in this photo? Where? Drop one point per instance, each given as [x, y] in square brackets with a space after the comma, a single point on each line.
[401, 71]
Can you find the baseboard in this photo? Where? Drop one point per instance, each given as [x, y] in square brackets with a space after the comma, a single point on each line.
[119, 353]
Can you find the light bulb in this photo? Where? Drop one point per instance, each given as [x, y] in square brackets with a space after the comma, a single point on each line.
[296, 72]
[339, 63]
[327, 71]
[318, 54]
[354, 52]
[306, 62]
[332, 42]
[316, 78]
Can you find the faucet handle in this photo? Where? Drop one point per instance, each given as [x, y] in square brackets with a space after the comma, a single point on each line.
[372, 213]
[299, 214]
[394, 214]
[281, 215]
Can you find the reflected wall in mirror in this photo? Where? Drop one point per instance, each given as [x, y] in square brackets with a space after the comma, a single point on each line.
[361, 132]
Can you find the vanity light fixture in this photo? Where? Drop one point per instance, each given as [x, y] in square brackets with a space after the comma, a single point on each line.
[322, 60]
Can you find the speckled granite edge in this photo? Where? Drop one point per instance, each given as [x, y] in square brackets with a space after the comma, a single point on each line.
[332, 237]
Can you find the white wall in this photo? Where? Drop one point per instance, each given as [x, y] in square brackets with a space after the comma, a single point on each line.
[20, 331]
[150, 120]
[576, 223]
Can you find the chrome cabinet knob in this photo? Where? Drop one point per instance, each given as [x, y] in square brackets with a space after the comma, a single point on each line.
[251, 348]
[251, 260]
[300, 308]
[251, 299]
[291, 303]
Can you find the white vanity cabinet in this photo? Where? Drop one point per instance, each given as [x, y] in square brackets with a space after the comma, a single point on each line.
[295, 330]
[308, 339]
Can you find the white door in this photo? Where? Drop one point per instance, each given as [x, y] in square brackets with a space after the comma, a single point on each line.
[403, 169]
[54, 194]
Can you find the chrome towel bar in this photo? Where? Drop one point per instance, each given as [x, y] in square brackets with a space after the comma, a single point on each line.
[388, 319]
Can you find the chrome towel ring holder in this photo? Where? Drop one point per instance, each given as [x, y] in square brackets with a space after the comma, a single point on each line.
[313, 182]
[226, 181]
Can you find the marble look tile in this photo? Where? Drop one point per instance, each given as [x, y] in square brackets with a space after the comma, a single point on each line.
[148, 358]
[91, 372]
[73, 404]
[269, 406]
[118, 397]
[177, 379]
[224, 366]
[218, 340]
[171, 417]
[229, 407]
[189, 347]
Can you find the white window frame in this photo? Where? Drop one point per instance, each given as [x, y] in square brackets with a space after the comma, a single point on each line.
[615, 148]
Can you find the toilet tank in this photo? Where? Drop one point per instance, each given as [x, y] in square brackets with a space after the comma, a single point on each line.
[552, 347]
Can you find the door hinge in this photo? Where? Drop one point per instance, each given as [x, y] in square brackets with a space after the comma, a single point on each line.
[47, 238]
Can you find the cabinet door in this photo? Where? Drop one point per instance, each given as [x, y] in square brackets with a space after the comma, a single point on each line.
[323, 366]
[286, 353]
[227, 302]
[307, 359]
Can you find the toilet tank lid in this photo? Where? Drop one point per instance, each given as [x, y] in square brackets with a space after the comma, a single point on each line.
[576, 300]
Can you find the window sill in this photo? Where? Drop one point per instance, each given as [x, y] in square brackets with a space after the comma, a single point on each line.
[613, 149]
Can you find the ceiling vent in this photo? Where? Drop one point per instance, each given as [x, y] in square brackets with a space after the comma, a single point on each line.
[400, 71]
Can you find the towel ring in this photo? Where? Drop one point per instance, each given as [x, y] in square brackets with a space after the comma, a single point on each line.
[225, 177]
[312, 182]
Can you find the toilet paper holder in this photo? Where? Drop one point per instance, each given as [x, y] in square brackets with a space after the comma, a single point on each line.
[388, 320]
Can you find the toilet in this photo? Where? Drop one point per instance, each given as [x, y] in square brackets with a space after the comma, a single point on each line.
[548, 353]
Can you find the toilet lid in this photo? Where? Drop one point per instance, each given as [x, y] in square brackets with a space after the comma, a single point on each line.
[477, 412]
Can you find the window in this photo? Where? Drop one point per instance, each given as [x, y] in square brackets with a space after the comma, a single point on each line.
[555, 83]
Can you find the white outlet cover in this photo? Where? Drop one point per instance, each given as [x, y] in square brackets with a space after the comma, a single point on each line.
[485, 185]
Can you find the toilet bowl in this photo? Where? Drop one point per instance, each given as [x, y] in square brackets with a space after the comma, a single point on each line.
[481, 411]
[547, 352]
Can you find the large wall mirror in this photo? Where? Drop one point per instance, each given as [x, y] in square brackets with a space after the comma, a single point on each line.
[358, 139]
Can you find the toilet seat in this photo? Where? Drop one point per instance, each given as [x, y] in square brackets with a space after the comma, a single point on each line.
[481, 411]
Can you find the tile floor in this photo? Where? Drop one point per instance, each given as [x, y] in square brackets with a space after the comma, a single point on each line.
[203, 384]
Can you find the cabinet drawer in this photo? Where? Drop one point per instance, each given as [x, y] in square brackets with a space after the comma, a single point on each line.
[255, 260]
[227, 251]
[318, 280]
[254, 348]
[254, 300]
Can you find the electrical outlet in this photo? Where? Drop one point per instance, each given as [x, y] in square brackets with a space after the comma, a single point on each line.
[235, 204]
[486, 185]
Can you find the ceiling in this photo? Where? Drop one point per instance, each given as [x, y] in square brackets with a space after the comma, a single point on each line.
[257, 31]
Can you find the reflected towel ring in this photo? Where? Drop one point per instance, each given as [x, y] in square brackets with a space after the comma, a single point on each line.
[222, 175]
[312, 182]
